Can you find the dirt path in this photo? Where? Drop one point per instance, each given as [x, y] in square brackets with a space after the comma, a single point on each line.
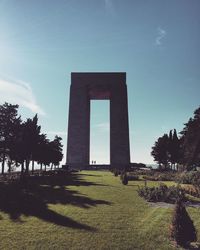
[169, 205]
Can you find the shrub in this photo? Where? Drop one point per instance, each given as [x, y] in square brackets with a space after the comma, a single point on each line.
[150, 178]
[192, 177]
[133, 177]
[160, 176]
[124, 179]
[192, 190]
[116, 173]
[161, 193]
[144, 172]
[122, 173]
[182, 228]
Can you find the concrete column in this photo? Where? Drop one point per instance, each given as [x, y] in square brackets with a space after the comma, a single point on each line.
[119, 129]
[78, 127]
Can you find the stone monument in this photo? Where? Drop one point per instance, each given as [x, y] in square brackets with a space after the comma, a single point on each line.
[97, 86]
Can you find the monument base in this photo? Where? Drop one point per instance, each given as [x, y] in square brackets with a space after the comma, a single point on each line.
[76, 166]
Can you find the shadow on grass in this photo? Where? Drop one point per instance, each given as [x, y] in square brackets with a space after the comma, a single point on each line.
[31, 196]
[93, 175]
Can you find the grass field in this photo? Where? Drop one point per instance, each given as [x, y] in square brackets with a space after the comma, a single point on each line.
[90, 210]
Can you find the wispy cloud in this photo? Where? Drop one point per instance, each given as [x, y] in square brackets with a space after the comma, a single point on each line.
[19, 92]
[109, 7]
[105, 126]
[161, 33]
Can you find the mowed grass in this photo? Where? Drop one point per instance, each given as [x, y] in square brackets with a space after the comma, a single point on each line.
[93, 211]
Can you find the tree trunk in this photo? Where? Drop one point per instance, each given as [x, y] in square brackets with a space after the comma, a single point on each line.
[32, 166]
[3, 163]
[27, 161]
[9, 166]
[22, 167]
[40, 166]
[4, 157]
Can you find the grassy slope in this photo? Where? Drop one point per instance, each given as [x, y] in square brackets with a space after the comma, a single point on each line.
[98, 213]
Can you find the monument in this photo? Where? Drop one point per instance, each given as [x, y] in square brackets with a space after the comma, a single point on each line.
[97, 86]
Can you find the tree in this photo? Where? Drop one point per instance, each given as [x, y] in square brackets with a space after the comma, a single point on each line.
[174, 148]
[182, 228]
[191, 141]
[167, 149]
[160, 150]
[22, 142]
[42, 153]
[30, 140]
[14, 153]
[8, 119]
[48, 152]
[56, 150]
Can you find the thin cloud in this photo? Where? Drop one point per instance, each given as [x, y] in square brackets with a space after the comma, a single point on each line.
[161, 34]
[19, 92]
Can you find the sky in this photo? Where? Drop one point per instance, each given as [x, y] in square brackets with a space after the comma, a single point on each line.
[155, 42]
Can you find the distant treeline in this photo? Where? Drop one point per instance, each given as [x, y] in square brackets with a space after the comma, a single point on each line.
[22, 142]
[172, 151]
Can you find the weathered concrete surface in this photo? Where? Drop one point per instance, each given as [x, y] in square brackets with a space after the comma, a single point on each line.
[87, 86]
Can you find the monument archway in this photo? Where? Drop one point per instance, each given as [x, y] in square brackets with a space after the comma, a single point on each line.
[97, 86]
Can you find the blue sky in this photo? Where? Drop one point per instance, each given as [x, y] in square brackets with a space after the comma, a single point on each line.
[155, 42]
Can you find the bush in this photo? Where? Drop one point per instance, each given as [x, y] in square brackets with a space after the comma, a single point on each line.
[182, 228]
[116, 173]
[192, 177]
[160, 176]
[192, 190]
[124, 179]
[133, 177]
[161, 193]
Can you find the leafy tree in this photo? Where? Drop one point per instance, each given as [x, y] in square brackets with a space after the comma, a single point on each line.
[22, 142]
[186, 150]
[15, 154]
[56, 150]
[48, 152]
[167, 150]
[191, 141]
[8, 119]
[160, 150]
[174, 148]
[30, 140]
[43, 152]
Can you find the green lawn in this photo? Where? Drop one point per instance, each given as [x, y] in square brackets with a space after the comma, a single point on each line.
[90, 210]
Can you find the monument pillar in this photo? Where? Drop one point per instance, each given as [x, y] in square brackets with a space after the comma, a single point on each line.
[119, 129]
[78, 127]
